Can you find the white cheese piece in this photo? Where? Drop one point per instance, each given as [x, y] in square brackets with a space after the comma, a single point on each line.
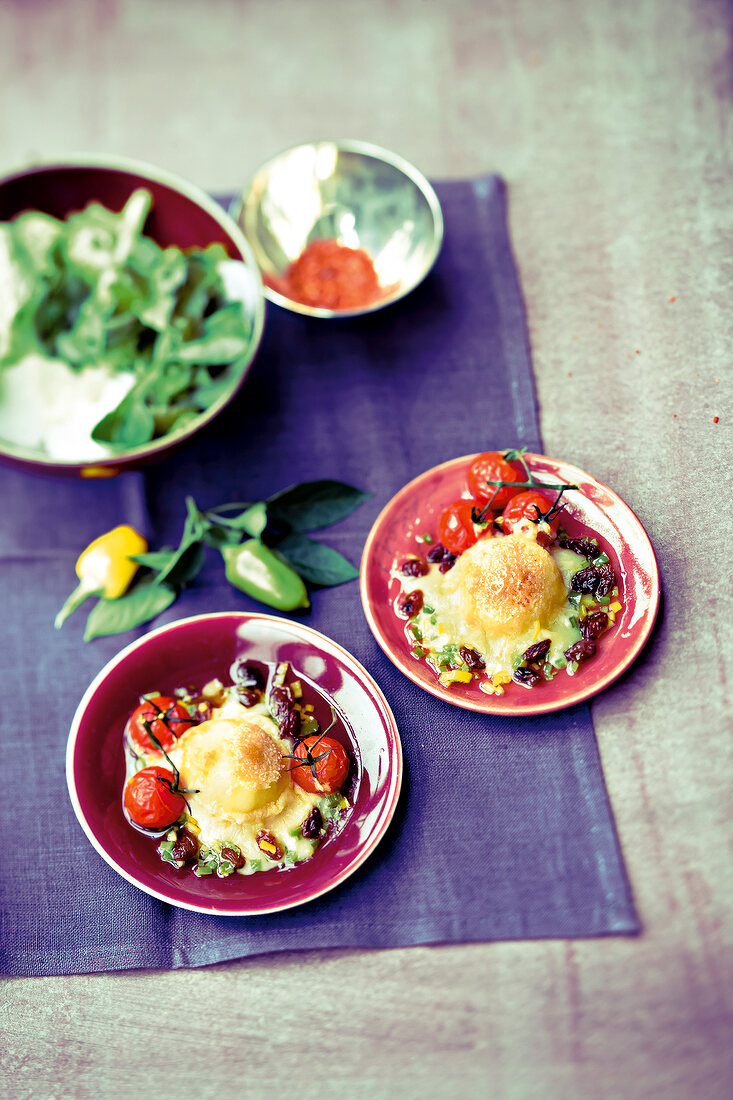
[46, 406]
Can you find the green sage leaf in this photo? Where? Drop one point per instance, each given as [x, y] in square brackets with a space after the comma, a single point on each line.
[315, 562]
[313, 504]
[142, 602]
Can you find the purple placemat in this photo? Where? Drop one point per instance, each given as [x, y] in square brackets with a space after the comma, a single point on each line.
[503, 830]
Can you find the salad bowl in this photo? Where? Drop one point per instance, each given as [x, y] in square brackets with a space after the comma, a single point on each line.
[175, 223]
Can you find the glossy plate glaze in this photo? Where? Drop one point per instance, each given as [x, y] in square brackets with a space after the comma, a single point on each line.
[594, 509]
[194, 651]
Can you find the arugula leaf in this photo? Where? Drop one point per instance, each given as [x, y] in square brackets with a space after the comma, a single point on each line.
[314, 504]
[130, 424]
[316, 563]
[142, 602]
[224, 338]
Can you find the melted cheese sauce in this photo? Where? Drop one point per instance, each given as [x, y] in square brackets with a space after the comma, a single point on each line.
[503, 594]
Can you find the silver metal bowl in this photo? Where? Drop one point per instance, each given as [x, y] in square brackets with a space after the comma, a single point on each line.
[356, 193]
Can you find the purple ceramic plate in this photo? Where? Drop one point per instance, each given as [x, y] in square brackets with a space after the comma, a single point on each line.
[194, 651]
[596, 509]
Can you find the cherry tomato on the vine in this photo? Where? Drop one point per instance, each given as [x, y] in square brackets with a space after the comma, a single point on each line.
[456, 529]
[331, 769]
[150, 799]
[167, 719]
[525, 506]
[492, 466]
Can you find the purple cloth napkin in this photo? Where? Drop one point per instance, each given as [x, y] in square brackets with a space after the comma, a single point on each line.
[503, 830]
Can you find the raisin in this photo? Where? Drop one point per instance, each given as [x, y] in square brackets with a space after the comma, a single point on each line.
[437, 553]
[282, 709]
[585, 580]
[267, 843]
[313, 824]
[528, 676]
[412, 603]
[248, 696]
[248, 675]
[581, 651]
[606, 580]
[471, 658]
[593, 625]
[536, 652]
[448, 562]
[414, 567]
[236, 858]
[186, 846]
[584, 547]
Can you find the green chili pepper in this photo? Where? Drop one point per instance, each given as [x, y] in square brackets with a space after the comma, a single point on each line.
[264, 575]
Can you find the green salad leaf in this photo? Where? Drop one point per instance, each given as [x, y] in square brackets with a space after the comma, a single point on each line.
[92, 290]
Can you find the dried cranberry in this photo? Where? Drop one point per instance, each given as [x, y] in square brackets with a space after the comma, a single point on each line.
[585, 580]
[581, 651]
[412, 603]
[537, 651]
[528, 676]
[237, 859]
[313, 824]
[584, 547]
[186, 846]
[282, 709]
[472, 658]
[448, 562]
[594, 625]
[606, 580]
[267, 843]
[414, 567]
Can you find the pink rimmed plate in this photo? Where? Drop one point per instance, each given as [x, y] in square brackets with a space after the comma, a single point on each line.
[194, 651]
[595, 508]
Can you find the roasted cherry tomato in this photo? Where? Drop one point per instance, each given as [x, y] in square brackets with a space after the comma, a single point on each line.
[525, 506]
[456, 529]
[150, 798]
[167, 719]
[492, 466]
[329, 760]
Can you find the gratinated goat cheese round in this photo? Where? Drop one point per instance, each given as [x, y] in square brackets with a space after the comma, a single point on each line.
[236, 772]
[236, 765]
[506, 585]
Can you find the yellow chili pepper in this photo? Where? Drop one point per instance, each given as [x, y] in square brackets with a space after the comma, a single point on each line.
[104, 568]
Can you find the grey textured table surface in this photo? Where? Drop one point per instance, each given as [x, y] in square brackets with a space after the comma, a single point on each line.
[612, 125]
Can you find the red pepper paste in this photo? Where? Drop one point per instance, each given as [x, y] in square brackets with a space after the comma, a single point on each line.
[329, 275]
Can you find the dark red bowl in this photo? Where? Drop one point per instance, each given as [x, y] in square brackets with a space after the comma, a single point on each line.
[194, 651]
[181, 215]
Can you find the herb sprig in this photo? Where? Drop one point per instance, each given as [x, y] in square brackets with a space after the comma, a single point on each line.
[278, 524]
[481, 515]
